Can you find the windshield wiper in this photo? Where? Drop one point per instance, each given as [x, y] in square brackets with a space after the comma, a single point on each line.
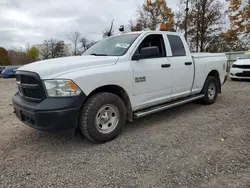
[95, 54]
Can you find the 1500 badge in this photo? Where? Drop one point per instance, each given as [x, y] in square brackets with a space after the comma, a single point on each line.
[140, 79]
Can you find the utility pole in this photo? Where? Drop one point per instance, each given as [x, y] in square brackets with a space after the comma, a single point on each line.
[186, 21]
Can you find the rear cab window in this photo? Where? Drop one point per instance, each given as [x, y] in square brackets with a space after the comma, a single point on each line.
[176, 45]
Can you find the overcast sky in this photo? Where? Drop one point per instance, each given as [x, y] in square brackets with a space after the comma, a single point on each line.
[32, 21]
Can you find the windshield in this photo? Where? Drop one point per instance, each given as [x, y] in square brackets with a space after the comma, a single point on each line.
[245, 56]
[112, 46]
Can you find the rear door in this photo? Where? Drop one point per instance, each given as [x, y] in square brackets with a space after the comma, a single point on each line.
[182, 66]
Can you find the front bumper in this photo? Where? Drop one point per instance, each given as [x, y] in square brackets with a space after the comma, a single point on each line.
[49, 114]
[240, 73]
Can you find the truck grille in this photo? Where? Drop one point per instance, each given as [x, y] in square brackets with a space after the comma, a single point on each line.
[242, 66]
[30, 86]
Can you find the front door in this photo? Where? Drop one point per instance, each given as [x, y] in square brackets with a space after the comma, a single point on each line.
[153, 75]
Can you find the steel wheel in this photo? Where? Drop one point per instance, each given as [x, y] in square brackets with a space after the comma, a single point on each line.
[211, 91]
[107, 118]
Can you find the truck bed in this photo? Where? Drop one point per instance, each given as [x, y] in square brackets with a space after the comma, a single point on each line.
[206, 62]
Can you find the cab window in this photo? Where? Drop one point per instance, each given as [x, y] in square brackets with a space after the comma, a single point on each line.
[176, 45]
[151, 41]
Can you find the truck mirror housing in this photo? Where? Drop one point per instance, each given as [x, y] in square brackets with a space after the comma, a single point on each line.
[149, 52]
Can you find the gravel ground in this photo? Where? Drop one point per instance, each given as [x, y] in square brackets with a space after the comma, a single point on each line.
[189, 146]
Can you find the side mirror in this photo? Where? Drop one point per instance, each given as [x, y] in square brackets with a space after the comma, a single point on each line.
[150, 52]
[147, 52]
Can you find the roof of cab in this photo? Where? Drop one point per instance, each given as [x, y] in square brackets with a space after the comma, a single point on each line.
[156, 32]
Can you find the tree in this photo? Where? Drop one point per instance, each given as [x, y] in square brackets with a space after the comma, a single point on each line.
[45, 51]
[90, 44]
[179, 17]
[75, 38]
[80, 43]
[33, 53]
[204, 23]
[84, 44]
[19, 57]
[53, 48]
[152, 14]
[239, 30]
[109, 32]
[59, 50]
[4, 58]
[218, 44]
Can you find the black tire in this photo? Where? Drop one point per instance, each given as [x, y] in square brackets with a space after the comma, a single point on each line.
[208, 100]
[89, 113]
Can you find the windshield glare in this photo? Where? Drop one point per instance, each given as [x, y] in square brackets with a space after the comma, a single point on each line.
[112, 46]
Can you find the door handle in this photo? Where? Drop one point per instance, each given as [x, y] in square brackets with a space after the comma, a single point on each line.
[188, 63]
[165, 65]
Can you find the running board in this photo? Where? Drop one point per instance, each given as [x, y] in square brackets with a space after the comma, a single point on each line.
[159, 108]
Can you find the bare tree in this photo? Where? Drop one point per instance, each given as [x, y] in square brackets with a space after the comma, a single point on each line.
[84, 43]
[204, 23]
[53, 48]
[109, 32]
[75, 38]
[90, 44]
[80, 43]
[45, 50]
[27, 48]
[59, 50]
[179, 17]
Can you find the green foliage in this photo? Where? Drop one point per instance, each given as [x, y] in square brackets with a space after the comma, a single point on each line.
[33, 53]
[239, 29]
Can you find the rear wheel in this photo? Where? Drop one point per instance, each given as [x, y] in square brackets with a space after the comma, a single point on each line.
[210, 90]
[103, 117]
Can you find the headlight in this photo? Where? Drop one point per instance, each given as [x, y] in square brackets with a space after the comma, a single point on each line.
[61, 88]
[233, 66]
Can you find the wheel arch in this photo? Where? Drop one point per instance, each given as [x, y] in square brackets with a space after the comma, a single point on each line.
[119, 91]
[215, 74]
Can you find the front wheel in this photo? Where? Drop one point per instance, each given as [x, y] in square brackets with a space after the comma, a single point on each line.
[210, 90]
[102, 117]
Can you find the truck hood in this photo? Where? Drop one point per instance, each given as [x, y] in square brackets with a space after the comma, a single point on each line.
[52, 68]
[242, 62]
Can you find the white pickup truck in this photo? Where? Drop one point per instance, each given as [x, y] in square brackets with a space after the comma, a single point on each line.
[119, 79]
